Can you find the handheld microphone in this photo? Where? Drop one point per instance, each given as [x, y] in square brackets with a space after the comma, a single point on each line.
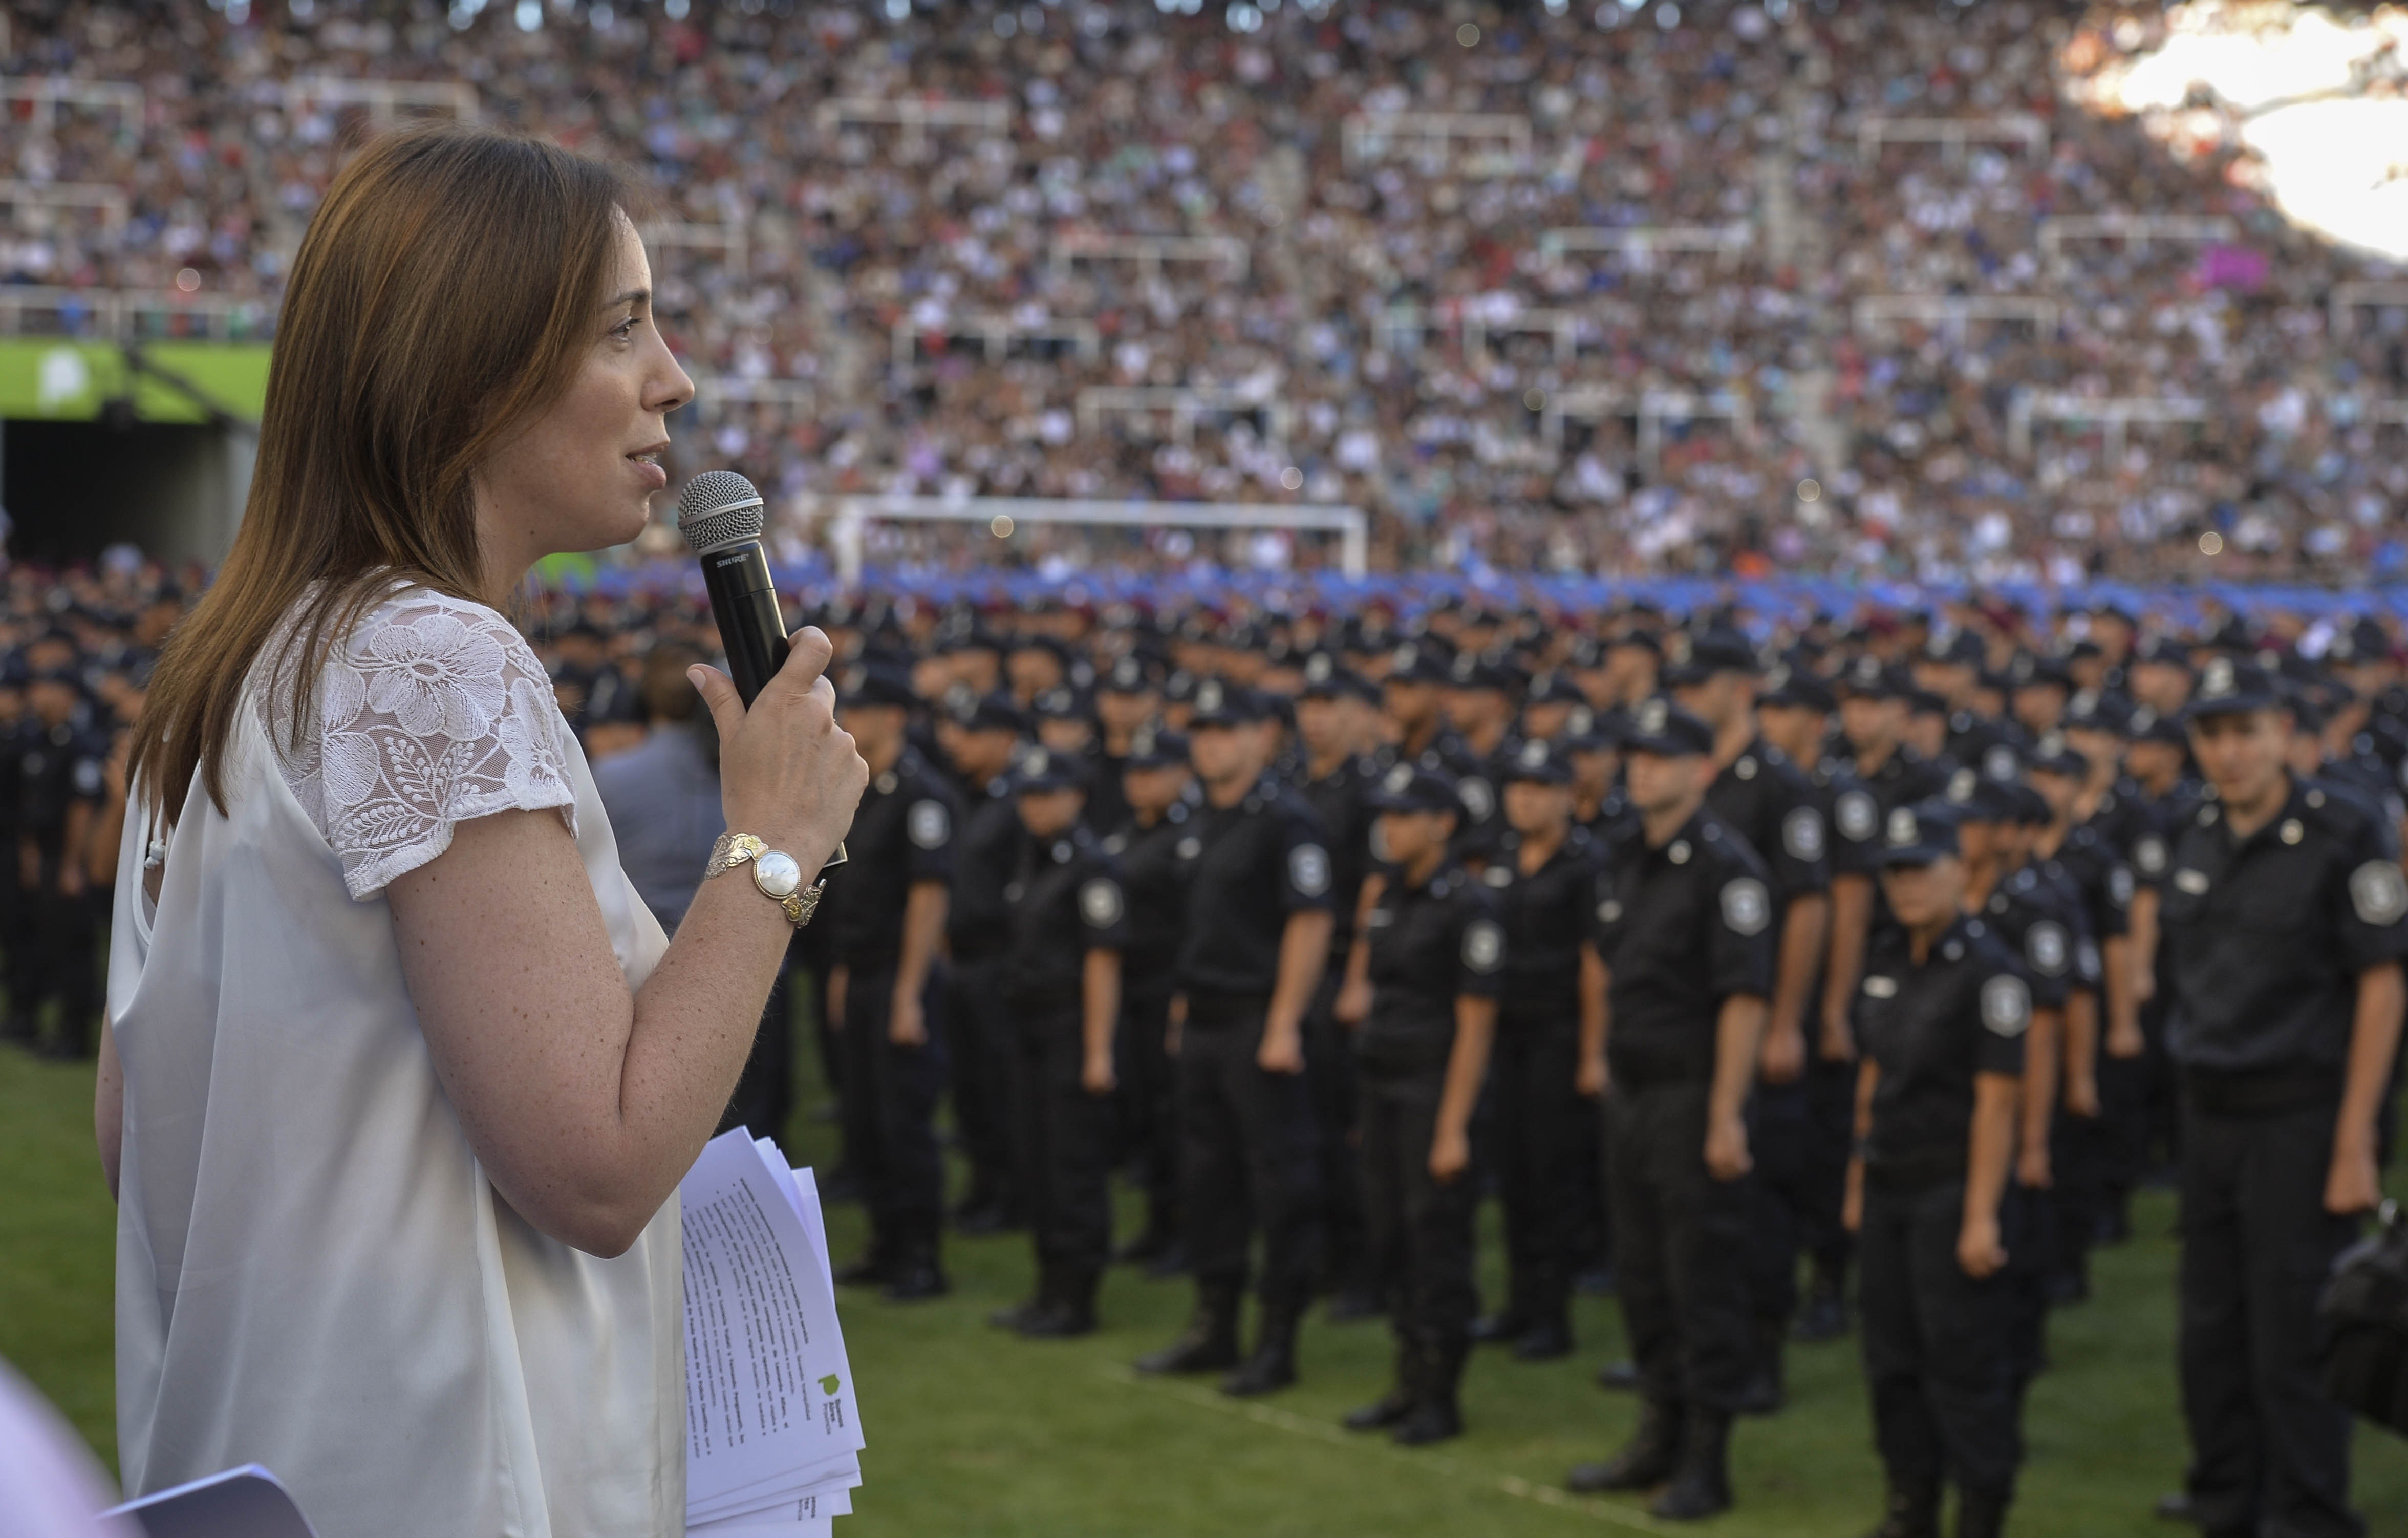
[721, 516]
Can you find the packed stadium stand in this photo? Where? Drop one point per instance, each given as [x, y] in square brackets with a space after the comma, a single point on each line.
[1627, 289]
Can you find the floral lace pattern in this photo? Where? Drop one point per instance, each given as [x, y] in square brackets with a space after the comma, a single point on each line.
[432, 711]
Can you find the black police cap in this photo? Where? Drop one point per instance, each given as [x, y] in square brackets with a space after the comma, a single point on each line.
[1798, 688]
[1539, 761]
[1040, 768]
[875, 683]
[1421, 661]
[2231, 687]
[1408, 787]
[1222, 703]
[1921, 833]
[1156, 748]
[1695, 656]
[1659, 727]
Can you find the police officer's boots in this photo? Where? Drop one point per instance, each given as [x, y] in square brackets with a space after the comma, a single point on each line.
[1981, 1514]
[1211, 1340]
[1914, 1512]
[1018, 1317]
[1436, 1415]
[1701, 1482]
[1273, 1363]
[1391, 1408]
[1547, 1331]
[1507, 1324]
[1070, 1310]
[1767, 1388]
[1645, 1462]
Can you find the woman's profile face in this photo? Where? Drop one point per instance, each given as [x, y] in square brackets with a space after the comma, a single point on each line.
[583, 475]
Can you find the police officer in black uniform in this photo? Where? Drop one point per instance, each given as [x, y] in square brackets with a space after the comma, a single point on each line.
[984, 1048]
[1946, 1008]
[1685, 928]
[1070, 925]
[1334, 773]
[2283, 926]
[60, 757]
[1257, 940]
[887, 986]
[1761, 795]
[1436, 958]
[1158, 849]
[1544, 878]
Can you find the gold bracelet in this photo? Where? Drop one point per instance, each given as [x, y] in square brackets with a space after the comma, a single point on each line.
[778, 875]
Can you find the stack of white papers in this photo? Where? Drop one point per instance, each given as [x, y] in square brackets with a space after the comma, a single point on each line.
[773, 1442]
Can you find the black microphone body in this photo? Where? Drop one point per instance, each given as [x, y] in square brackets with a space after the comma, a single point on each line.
[721, 516]
[745, 603]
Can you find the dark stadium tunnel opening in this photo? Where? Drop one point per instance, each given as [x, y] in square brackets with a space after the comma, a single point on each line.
[72, 489]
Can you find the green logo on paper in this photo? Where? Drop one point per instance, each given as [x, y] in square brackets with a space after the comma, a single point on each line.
[830, 1383]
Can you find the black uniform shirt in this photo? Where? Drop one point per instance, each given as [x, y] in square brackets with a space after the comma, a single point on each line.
[2040, 922]
[1616, 823]
[902, 833]
[978, 925]
[1107, 805]
[1430, 945]
[1931, 1028]
[1262, 861]
[1682, 928]
[2090, 859]
[1547, 916]
[2266, 937]
[56, 767]
[1066, 898]
[1336, 799]
[1475, 781]
[1155, 863]
[1852, 817]
[1763, 797]
[1905, 778]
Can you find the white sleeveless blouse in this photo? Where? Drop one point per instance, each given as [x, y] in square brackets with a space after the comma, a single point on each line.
[312, 1272]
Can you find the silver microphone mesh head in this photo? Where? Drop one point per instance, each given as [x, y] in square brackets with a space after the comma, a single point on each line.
[717, 508]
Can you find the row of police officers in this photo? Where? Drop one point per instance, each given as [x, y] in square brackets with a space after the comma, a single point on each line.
[1743, 973]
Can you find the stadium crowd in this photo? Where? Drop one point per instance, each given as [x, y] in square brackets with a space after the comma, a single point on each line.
[1411, 264]
[1009, 740]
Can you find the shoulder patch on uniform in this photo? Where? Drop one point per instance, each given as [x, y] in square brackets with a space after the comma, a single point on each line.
[2149, 855]
[1308, 869]
[1802, 833]
[1881, 987]
[2119, 885]
[2192, 882]
[2044, 947]
[2379, 893]
[2006, 1005]
[1498, 876]
[1856, 815]
[1099, 902]
[1745, 907]
[928, 824]
[1484, 945]
[1188, 847]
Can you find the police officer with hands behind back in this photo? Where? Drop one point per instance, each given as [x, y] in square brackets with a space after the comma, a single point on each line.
[1257, 940]
[1070, 923]
[1436, 964]
[2283, 930]
[1685, 931]
[1941, 1020]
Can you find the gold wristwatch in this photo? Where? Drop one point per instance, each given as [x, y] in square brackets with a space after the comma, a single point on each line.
[777, 873]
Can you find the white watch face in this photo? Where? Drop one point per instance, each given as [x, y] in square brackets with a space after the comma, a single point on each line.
[777, 873]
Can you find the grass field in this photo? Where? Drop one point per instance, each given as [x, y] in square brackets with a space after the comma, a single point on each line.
[972, 1432]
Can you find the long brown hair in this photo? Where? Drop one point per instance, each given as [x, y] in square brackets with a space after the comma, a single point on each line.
[444, 294]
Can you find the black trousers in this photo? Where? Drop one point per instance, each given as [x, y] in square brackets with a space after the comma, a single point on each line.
[890, 1112]
[765, 1094]
[2028, 1219]
[1780, 1135]
[1679, 1240]
[1427, 1225]
[986, 1081]
[59, 957]
[1540, 1137]
[1831, 1132]
[1936, 1344]
[2270, 1449]
[1331, 1079]
[2080, 1150]
[1065, 1142]
[1248, 1156]
[1148, 1104]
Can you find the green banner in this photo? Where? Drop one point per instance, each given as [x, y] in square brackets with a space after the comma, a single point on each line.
[61, 380]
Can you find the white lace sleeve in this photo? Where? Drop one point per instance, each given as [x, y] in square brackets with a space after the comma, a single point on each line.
[433, 712]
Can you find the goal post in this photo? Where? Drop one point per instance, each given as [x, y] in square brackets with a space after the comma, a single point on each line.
[854, 514]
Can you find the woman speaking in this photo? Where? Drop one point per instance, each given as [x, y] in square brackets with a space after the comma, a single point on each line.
[401, 1076]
